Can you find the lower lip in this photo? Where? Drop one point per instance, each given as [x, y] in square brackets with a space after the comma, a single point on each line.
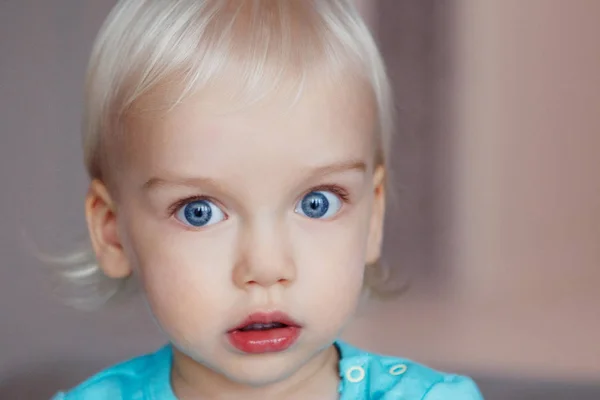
[267, 341]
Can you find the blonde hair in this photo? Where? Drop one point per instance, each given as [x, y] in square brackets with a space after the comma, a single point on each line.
[144, 44]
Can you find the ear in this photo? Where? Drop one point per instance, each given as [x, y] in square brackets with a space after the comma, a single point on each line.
[100, 213]
[377, 217]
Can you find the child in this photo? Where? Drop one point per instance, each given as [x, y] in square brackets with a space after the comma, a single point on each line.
[237, 151]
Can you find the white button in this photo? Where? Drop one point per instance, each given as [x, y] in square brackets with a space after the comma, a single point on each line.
[355, 374]
[398, 369]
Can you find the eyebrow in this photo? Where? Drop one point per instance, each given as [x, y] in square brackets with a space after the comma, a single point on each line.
[318, 171]
[155, 182]
[343, 166]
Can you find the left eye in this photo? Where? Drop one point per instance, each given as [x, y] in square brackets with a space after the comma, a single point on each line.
[319, 205]
[200, 213]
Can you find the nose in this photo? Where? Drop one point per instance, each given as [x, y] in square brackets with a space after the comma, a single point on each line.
[265, 257]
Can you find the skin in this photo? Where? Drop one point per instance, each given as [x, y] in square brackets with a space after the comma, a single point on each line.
[255, 164]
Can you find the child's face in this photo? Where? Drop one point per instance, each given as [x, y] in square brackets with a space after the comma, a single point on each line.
[226, 213]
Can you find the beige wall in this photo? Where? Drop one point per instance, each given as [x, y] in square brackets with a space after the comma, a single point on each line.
[523, 239]
[528, 177]
[529, 147]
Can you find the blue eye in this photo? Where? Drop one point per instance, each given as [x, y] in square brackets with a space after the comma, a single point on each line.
[200, 213]
[319, 205]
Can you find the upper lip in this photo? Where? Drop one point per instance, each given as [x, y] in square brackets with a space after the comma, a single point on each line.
[265, 318]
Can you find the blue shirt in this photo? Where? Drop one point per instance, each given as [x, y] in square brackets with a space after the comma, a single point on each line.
[363, 376]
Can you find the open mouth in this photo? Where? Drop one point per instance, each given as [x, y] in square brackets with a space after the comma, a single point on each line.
[264, 333]
[263, 327]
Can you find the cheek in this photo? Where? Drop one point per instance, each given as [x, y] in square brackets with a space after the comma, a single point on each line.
[185, 275]
[332, 257]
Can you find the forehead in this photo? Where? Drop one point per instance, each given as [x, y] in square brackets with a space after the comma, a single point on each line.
[327, 122]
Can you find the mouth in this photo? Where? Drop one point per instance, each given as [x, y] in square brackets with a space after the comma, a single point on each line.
[263, 327]
[264, 333]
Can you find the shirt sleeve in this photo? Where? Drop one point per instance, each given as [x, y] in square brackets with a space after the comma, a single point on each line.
[455, 388]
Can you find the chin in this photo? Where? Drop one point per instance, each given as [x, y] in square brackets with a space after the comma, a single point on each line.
[257, 370]
[263, 370]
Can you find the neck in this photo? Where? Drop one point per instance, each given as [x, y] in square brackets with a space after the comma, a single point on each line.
[318, 378]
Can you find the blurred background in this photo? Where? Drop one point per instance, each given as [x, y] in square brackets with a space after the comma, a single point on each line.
[497, 225]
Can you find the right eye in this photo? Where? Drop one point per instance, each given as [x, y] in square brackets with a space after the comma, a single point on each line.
[199, 213]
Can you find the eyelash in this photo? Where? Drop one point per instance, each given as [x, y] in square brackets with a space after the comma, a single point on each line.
[342, 193]
[180, 203]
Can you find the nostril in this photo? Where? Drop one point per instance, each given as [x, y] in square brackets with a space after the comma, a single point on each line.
[266, 283]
